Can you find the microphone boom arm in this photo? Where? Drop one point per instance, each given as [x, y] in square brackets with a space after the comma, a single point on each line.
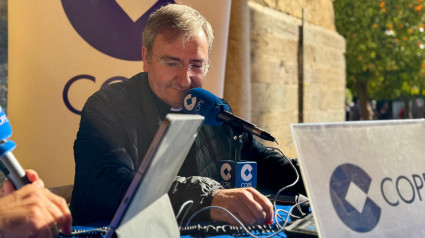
[240, 124]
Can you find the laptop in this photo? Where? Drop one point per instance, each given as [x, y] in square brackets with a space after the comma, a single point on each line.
[365, 178]
[145, 210]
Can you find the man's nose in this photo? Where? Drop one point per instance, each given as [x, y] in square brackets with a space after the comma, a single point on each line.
[184, 78]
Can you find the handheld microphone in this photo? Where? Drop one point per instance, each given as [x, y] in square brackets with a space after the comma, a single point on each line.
[200, 101]
[8, 163]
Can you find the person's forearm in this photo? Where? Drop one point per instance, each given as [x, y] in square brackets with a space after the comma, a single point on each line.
[198, 189]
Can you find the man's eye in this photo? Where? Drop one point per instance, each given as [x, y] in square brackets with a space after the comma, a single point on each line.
[172, 63]
[196, 66]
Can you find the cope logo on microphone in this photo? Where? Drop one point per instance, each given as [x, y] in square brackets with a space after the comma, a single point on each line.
[3, 119]
[225, 171]
[246, 172]
[237, 174]
[192, 103]
[189, 102]
[349, 186]
[112, 27]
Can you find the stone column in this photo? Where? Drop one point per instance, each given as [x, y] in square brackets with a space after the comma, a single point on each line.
[274, 56]
[237, 89]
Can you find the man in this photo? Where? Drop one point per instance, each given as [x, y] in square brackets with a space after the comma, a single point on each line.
[32, 211]
[119, 122]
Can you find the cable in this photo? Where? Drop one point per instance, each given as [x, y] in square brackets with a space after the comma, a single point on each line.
[280, 228]
[221, 208]
[287, 186]
[190, 203]
[287, 217]
[289, 213]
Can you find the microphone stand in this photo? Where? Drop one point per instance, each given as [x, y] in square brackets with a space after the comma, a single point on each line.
[237, 144]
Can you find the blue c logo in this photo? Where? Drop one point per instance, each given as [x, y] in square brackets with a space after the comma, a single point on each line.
[349, 186]
[108, 28]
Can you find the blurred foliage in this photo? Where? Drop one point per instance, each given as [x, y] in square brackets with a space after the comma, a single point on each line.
[385, 46]
[348, 96]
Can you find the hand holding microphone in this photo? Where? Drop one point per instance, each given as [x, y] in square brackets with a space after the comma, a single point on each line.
[17, 212]
[8, 163]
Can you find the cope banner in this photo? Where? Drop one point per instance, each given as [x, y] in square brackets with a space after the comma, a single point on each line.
[364, 178]
[61, 52]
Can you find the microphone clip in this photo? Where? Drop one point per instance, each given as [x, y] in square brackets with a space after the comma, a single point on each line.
[237, 144]
[238, 173]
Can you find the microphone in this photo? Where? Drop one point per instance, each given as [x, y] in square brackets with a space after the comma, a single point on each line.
[233, 173]
[8, 163]
[216, 111]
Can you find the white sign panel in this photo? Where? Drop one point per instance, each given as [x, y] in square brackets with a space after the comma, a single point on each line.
[364, 179]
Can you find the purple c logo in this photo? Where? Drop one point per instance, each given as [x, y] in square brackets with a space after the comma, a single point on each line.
[108, 28]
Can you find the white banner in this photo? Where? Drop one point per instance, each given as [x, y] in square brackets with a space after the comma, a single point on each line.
[365, 178]
[61, 52]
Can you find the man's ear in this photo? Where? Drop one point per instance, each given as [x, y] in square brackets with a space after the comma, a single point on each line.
[145, 59]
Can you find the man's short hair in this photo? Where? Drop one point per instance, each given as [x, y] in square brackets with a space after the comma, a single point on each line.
[175, 20]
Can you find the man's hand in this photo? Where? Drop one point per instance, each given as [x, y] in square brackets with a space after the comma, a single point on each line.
[32, 176]
[247, 204]
[33, 211]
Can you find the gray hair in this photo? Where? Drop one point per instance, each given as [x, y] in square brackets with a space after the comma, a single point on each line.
[175, 20]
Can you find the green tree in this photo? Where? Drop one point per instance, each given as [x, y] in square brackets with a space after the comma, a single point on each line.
[385, 48]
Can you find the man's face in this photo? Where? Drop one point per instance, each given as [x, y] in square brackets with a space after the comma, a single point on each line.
[168, 73]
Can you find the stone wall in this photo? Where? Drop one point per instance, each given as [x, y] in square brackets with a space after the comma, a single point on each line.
[275, 53]
[3, 54]
[318, 12]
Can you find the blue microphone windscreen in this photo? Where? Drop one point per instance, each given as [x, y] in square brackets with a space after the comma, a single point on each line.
[200, 101]
[5, 128]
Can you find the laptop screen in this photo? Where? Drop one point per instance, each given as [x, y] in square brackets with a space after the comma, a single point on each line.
[159, 167]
